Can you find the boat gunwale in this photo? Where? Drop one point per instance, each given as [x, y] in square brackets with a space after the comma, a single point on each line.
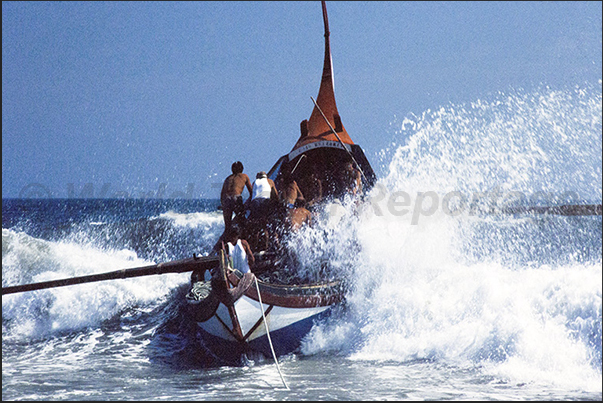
[284, 295]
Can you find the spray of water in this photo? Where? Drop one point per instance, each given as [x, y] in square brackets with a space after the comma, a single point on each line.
[519, 297]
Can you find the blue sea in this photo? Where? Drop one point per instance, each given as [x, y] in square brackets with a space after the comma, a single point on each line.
[448, 297]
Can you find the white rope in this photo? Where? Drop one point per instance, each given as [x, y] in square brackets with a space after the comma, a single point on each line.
[268, 334]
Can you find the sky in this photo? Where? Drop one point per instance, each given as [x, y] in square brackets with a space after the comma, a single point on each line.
[143, 99]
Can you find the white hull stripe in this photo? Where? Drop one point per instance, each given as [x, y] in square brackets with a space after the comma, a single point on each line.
[317, 144]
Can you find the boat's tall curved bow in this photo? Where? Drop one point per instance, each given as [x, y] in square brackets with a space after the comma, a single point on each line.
[324, 145]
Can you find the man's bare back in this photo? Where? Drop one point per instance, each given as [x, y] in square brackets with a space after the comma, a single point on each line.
[291, 192]
[234, 185]
[231, 196]
[298, 217]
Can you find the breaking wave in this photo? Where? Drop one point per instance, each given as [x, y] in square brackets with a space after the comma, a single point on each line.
[39, 313]
[515, 296]
[518, 296]
[97, 247]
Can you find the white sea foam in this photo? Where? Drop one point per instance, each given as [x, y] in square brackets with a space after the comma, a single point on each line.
[511, 295]
[514, 297]
[194, 220]
[26, 259]
[205, 227]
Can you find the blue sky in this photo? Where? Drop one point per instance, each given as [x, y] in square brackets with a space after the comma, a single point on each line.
[140, 94]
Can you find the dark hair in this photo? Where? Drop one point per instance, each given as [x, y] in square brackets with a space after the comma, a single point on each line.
[237, 167]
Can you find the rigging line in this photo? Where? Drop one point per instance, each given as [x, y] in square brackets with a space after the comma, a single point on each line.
[268, 334]
[298, 161]
[338, 138]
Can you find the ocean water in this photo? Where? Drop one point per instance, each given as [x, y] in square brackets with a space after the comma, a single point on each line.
[448, 298]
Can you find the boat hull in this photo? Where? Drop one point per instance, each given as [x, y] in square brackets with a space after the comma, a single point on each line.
[230, 318]
[287, 328]
[233, 327]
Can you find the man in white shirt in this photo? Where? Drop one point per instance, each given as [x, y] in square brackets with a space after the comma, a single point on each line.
[264, 199]
[263, 191]
[239, 251]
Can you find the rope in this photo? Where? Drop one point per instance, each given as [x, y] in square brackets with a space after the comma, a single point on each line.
[268, 334]
[338, 138]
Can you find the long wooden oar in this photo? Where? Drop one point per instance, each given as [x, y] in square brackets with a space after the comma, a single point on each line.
[263, 261]
[175, 266]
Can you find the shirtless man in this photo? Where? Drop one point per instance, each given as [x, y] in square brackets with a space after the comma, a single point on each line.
[290, 192]
[299, 216]
[352, 179]
[231, 195]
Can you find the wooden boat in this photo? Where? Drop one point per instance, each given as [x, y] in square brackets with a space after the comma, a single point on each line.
[226, 306]
[232, 321]
[237, 313]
